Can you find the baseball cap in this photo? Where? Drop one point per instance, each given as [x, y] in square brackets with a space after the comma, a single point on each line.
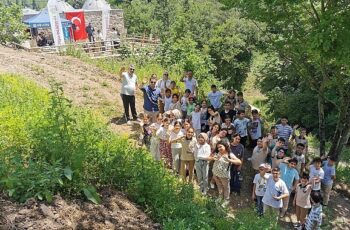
[263, 165]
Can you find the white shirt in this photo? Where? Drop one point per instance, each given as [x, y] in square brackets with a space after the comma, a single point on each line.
[215, 99]
[316, 173]
[190, 84]
[128, 84]
[163, 84]
[196, 120]
[162, 133]
[201, 152]
[184, 103]
[167, 103]
[260, 183]
[174, 136]
[274, 189]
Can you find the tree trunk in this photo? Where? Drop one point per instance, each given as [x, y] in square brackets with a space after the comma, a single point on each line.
[342, 132]
[321, 120]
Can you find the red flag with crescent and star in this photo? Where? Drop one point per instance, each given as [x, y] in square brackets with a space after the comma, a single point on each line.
[78, 24]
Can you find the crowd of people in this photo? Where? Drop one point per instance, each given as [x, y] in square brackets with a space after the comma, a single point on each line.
[204, 140]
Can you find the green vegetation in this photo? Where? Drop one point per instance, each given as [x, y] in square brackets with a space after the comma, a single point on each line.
[49, 147]
[11, 27]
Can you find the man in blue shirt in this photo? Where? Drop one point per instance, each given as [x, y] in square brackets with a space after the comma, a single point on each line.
[329, 177]
[151, 95]
[291, 177]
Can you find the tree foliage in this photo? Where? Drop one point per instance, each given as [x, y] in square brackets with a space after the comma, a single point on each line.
[11, 27]
[311, 40]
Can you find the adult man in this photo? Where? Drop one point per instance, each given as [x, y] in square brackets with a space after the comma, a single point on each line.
[328, 179]
[284, 131]
[241, 104]
[259, 153]
[90, 31]
[191, 83]
[163, 84]
[129, 84]
[151, 94]
[276, 191]
[290, 176]
[215, 97]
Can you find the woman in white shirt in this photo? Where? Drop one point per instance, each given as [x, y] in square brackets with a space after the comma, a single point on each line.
[175, 139]
[202, 157]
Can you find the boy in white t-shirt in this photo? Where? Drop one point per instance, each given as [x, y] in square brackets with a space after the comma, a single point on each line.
[259, 187]
[316, 174]
[167, 100]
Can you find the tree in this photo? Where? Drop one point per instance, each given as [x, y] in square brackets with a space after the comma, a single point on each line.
[313, 37]
[11, 27]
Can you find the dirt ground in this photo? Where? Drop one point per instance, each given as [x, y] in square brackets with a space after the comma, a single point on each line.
[93, 88]
[115, 212]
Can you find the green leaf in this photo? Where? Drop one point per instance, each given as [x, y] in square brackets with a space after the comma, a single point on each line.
[40, 197]
[92, 195]
[11, 192]
[60, 181]
[48, 196]
[68, 173]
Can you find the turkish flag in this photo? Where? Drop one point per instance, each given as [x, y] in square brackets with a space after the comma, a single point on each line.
[78, 24]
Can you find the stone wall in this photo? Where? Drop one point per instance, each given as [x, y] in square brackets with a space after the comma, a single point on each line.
[116, 20]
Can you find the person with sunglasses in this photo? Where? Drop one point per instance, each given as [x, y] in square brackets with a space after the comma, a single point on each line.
[151, 95]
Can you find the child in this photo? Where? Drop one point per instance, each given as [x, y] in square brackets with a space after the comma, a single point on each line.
[255, 128]
[190, 106]
[259, 153]
[175, 139]
[231, 98]
[316, 174]
[278, 153]
[241, 104]
[302, 138]
[227, 125]
[184, 102]
[227, 112]
[202, 156]
[204, 117]
[241, 125]
[196, 120]
[221, 169]
[301, 200]
[174, 88]
[214, 116]
[187, 155]
[154, 146]
[329, 177]
[175, 103]
[215, 97]
[299, 155]
[164, 147]
[167, 100]
[314, 219]
[146, 131]
[259, 187]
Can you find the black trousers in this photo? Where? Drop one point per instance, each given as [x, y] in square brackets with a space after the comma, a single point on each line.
[129, 101]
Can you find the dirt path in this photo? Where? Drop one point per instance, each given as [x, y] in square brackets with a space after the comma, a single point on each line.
[115, 212]
[87, 86]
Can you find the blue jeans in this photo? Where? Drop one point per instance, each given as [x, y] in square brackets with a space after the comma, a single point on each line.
[259, 205]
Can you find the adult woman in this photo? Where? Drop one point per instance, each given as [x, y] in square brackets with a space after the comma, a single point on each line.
[238, 150]
[175, 139]
[202, 156]
[221, 169]
[187, 155]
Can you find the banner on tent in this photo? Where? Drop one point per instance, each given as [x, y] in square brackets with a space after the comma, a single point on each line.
[78, 24]
[55, 21]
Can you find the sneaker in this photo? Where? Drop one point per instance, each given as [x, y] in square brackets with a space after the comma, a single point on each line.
[212, 186]
[129, 122]
[282, 213]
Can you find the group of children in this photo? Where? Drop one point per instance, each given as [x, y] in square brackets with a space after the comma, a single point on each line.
[193, 138]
